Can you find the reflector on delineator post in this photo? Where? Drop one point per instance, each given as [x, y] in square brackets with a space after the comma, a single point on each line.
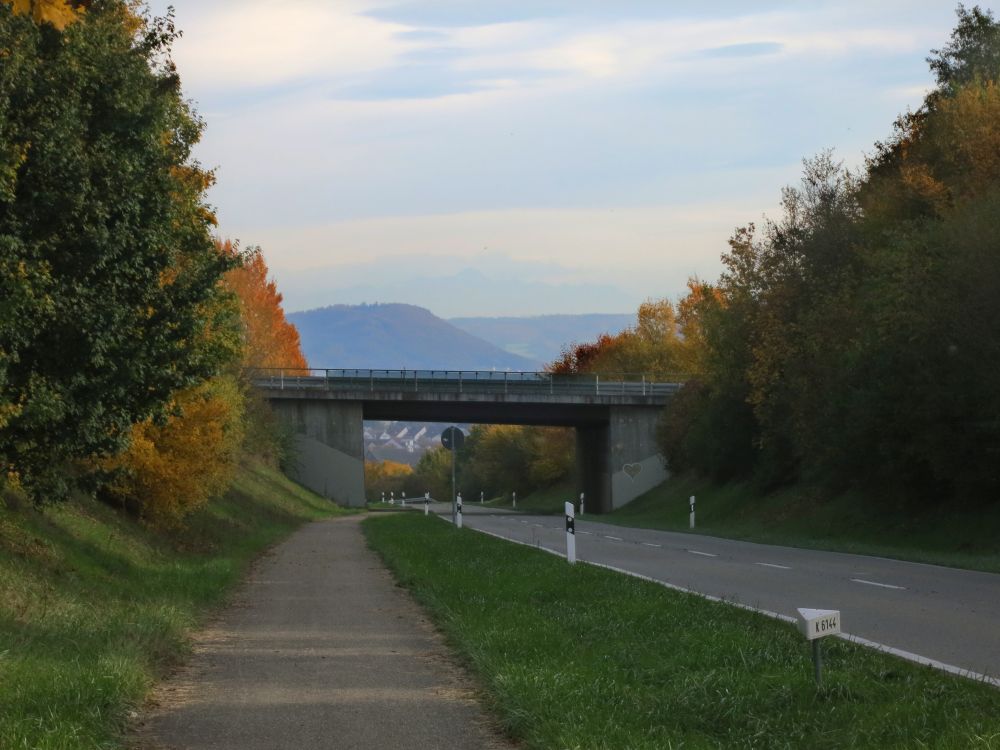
[570, 533]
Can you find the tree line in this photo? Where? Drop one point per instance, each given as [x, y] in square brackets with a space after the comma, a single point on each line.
[494, 460]
[125, 321]
[855, 339]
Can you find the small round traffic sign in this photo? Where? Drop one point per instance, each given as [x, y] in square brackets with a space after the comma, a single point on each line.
[452, 438]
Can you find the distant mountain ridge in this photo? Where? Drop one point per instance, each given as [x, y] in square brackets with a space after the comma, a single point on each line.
[396, 336]
[543, 337]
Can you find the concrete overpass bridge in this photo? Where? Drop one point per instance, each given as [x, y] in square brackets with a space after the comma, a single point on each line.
[614, 418]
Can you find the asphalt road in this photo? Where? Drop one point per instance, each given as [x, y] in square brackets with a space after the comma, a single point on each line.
[941, 614]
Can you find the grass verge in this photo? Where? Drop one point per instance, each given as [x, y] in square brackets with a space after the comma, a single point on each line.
[805, 517]
[93, 606]
[580, 657]
[546, 501]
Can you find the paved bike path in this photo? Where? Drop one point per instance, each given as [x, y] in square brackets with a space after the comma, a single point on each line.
[320, 650]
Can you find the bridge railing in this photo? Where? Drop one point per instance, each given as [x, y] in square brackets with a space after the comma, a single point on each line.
[462, 381]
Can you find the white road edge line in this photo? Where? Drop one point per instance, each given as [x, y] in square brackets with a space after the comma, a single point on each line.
[880, 585]
[907, 655]
[703, 554]
[774, 565]
[650, 544]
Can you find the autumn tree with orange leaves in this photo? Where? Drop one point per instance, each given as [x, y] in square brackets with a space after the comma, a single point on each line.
[270, 340]
[59, 13]
[171, 469]
[656, 346]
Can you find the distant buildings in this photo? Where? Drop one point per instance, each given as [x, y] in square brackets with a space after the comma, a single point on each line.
[403, 442]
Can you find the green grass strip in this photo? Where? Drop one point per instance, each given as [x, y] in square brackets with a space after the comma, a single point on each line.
[94, 607]
[581, 657]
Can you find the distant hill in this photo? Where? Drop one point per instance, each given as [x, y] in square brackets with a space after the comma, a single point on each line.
[396, 336]
[543, 337]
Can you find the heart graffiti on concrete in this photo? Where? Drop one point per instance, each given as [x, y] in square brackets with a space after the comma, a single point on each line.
[632, 470]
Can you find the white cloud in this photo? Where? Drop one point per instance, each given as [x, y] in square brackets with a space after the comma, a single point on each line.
[629, 49]
[262, 43]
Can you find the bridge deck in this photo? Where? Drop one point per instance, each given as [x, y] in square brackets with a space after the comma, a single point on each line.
[544, 386]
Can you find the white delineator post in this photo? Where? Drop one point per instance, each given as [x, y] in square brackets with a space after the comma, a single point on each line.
[581, 503]
[458, 510]
[570, 534]
[692, 512]
[427, 502]
[383, 497]
[392, 498]
[514, 495]
[481, 497]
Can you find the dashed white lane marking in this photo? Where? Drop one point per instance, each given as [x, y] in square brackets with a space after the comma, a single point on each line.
[650, 544]
[588, 533]
[703, 554]
[616, 538]
[774, 565]
[537, 525]
[880, 585]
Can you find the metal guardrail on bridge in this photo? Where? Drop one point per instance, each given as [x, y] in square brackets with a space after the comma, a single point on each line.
[462, 381]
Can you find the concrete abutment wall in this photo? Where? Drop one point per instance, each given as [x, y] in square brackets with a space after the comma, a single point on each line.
[329, 437]
[636, 463]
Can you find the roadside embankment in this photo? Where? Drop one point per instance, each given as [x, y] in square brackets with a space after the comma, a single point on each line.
[547, 500]
[803, 516]
[94, 606]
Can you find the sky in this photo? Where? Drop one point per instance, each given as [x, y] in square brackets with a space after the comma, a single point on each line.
[499, 157]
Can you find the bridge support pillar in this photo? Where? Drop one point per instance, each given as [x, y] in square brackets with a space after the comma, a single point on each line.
[636, 463]
[329, 438]
[592, 464]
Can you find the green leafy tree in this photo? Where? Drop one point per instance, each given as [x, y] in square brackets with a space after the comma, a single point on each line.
[433, 473]
[108, 271]
[973, 54]
[499, 459]
[709, 427]
[496, 459]
[860, 327]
